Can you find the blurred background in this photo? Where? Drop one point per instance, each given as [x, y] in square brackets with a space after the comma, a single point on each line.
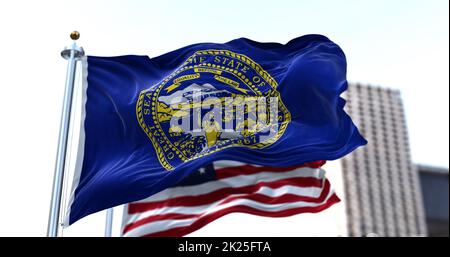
[397, 53]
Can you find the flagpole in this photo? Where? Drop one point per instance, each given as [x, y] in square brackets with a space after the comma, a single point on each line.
[73, 53]
[109, 221]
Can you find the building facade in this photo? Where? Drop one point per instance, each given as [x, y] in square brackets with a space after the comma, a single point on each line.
[434, 184]
[381, 184]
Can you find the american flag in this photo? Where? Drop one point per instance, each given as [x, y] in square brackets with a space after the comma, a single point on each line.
[224, 187]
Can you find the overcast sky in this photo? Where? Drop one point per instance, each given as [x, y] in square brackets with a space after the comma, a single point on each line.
[399, 44]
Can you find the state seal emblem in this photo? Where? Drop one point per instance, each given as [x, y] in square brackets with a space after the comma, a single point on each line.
[216, 99]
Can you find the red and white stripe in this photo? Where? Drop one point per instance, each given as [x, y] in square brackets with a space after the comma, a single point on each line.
[258, 190]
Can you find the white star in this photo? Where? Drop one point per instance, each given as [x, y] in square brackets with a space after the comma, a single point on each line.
[202, 170]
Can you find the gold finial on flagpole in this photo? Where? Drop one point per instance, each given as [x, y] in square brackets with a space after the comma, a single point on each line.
[75, 35]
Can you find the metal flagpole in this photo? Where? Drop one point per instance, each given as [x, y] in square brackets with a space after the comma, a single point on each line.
[73, 53]
[109, 221]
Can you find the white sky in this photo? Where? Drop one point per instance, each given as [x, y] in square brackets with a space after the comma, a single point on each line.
[400, 44]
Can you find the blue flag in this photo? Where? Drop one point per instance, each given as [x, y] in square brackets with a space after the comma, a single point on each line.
[149, 122]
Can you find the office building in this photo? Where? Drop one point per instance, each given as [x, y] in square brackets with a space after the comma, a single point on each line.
[381, 184]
